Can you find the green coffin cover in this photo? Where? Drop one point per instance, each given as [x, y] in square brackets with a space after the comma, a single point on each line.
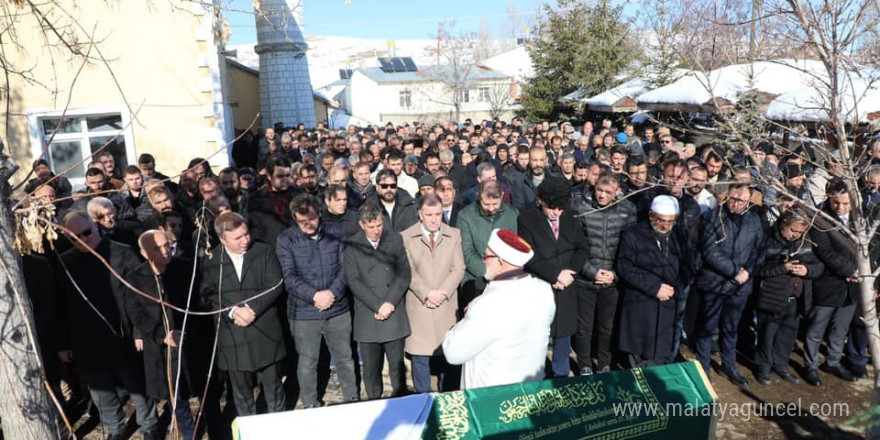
[669, 401]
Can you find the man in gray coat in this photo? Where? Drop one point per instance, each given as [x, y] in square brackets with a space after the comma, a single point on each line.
[378, 274]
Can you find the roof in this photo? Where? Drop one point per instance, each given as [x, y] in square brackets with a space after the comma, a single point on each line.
[701, 89]
[860, 101]
[233, 63]
[516, 63]
[427, 74]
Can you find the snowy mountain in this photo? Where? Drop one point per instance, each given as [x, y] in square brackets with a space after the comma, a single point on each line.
[328, 54]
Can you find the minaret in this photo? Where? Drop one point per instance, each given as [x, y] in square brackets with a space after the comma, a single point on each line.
[285, 86]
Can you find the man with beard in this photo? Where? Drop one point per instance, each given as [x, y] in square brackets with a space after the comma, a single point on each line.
[561, 250]
[732, 245]
[653, 268]
[360, 187]
[269, 212]
[522, 190]
[503, 336]
[603, 220]
[398, 208]
[308, 179]
[231, 188]
[697, 189]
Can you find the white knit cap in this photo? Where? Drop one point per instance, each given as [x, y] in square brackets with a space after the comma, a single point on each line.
[664, 205]
[510, 247]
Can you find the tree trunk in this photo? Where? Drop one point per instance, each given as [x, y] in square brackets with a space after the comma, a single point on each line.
[870, 320]
[25, 407]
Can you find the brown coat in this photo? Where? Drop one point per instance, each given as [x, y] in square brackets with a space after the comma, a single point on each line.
[441, 269]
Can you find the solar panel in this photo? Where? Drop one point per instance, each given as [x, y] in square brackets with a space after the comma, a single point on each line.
[410, 64]
[386, 65]
[398, 65]
[344, 73]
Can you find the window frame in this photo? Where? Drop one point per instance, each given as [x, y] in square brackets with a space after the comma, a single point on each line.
[38, 138]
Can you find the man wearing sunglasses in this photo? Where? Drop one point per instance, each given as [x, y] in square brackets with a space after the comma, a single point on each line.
[96, 333]
[398, 208]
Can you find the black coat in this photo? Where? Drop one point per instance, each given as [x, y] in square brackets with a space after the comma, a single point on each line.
[838, 253]
[727, 243]
[774, 281]
[260, 344]
[602, 227]
[404, 214]
[148, 320]
[570, 251]
[264, 221]
[97, 344]
[376, 276]
[347, 222]
[646, 323]
[688, 225]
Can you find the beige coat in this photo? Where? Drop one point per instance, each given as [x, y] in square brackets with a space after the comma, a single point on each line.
[441, 269]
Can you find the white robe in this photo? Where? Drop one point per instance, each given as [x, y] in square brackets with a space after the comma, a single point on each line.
[504, 334]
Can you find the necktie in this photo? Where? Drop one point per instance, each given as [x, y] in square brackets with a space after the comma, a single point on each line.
[446, 217]
[554, 225]
[431, 234]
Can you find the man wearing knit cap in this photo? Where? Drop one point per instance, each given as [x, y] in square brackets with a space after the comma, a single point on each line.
[504, 334]
[653, 269]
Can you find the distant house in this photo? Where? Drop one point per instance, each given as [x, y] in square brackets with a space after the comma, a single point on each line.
[404, 94]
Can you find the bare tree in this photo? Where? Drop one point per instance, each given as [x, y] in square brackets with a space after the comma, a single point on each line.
[457, 52]
[499, 99]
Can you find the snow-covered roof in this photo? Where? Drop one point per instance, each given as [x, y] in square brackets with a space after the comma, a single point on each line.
[339, 118]
[629, 89]
[860, 99]
[515, 63]
[770, 77]
[428, 74]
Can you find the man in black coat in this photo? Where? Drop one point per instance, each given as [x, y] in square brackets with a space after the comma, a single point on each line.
[561, 250]
[602, 219]
[268, 209]
[157, 328]
[785, 291]
[653, 269]
[732, 246]
[246, 275]
[337, 210]
[836, 291]
[378, 273]
[398, 208]
[94, 329]
[523, 186]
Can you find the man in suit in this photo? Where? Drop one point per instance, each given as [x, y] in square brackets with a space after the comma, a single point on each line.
[246, 275]
[157, 329]
[437, 265]
[313, 263]
[95, 330]
[836, 291]
[378, 274]
[561, 250]
[444, 187]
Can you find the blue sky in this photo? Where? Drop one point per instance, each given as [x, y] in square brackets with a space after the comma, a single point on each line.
[388, 19]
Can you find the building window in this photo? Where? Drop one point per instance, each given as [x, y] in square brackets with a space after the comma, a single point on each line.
[78, 136]
[484, 94]
[465, 95]
[405, 98]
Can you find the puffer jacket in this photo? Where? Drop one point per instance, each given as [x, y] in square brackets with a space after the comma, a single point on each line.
[774, 280]
[602, 228]
[729, 242]
[311, 265]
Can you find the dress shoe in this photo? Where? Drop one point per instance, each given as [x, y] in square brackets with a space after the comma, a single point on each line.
[787, 376]
[763, 376]
[586, 371]
[812, 378]
[839, 371]
[734, 377]
[859, 371]
[604, 369]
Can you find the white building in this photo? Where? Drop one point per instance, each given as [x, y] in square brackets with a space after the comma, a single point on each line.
[377, 94]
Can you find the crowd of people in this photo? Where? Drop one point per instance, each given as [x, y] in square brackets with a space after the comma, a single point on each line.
[480, 244]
